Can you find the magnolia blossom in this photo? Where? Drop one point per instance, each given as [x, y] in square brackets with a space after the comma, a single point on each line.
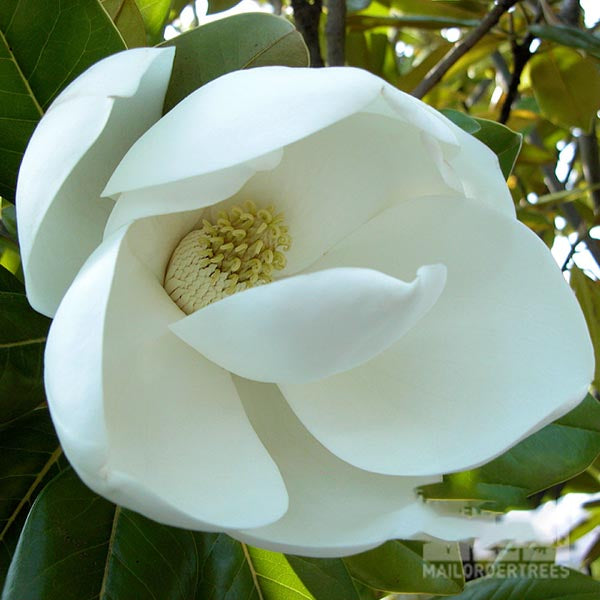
[285, 304]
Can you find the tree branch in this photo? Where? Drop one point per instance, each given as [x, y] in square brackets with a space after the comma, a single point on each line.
[306, 17]
[461, 48]
[521, 56]
[590, 162]
[335, 32]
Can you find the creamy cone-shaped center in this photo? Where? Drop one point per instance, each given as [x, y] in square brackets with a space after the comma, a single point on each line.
[239, 250]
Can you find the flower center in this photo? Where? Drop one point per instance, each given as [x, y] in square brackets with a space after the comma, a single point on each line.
[239, 250]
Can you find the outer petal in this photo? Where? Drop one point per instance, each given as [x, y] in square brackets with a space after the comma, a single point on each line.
[72, 152]
[311, 326]
[334, 158]
[144, 419]
[335, 509]
[241, 116]
[503, 352]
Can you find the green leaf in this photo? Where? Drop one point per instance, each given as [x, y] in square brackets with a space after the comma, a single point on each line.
[554, 454]
[362, 22]
[441, 8]
[22, 340]
[43, 46]
[403, 567]
[238, 42]
[465, 122]
[505, 143]
[77, 545]
[567, 585]
[216, 6]
[566, 87]
[155, 14]
[568, 36]
[29, 458]
[588, 293]
[128, 19]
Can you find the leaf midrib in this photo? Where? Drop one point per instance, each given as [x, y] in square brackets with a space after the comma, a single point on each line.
[22, 75]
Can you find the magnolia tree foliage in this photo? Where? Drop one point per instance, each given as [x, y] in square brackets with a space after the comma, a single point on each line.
[245, 418]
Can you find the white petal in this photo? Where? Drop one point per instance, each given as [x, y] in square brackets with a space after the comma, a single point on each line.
[503, 352]
[335, 509]
[144, 419]
[186, 194]
[241, 116]
[330, 183]
[71, 155]
[307, 327]
[351, 148]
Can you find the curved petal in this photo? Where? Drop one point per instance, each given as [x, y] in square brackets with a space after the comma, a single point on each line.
[241, 116]
[335, 509]
[96, 118]
[503, 352]
[145, 420]
[307, 327]
[186, 194]
[363, 153]
[330, 183]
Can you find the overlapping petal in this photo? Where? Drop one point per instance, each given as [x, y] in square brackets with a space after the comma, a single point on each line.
[71, 155]
[336, 509]
[324, 147]
[146, 420]
[308, 327]
[504, 351]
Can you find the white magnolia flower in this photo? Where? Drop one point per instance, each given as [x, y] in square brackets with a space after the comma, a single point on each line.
[356, 311]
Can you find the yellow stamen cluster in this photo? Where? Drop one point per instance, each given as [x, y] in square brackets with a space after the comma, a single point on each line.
[239, 250]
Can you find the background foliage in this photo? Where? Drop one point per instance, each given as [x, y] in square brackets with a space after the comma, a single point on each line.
[533, 65]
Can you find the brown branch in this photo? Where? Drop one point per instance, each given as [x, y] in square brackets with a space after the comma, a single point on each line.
[570, 213]
[590, 162]
[521, 56]
[306, 17]
[461, 48]
[335, 33]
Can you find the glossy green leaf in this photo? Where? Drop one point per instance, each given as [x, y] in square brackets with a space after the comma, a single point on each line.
[29, 457]
[588, 293]
[22, 340]
[464, 121]
[238, 42]
[85, 547]
[567, 585]
[566, 87]
[410, 567]
[216, 6]
[554, 454]
[155, 14]
[43, 46]
[505, 143]
[568, 36]
[128, 19]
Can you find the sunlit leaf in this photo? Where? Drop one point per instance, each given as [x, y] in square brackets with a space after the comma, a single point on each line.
[588, 293]
[128, 20]
[566, 87]
[410, 567]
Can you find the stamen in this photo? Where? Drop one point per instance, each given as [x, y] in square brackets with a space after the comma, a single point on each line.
[241, 249]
